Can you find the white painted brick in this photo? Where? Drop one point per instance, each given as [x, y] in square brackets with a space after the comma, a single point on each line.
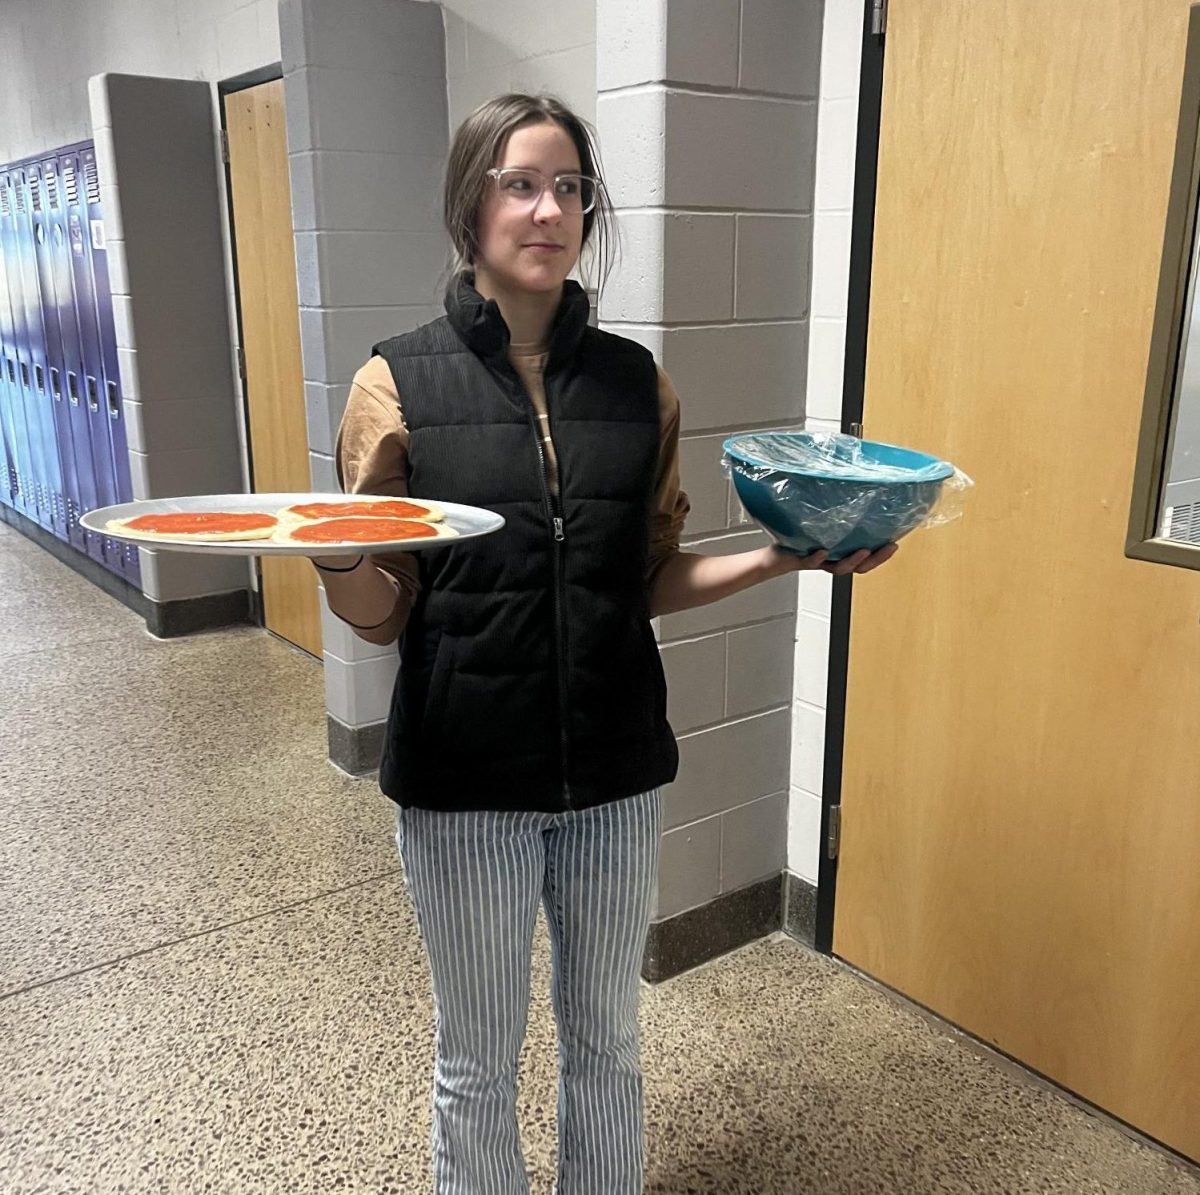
[831, 264]
[376, 35]
[499, 33]
[837, 132]
[183, 472]
[754, 841]
[759, 674]
[168, 426]
[568, 74]
[631, 128]
[695, 672]
[816, 592]
[367, 269]
[781, 46]
[631, 41]
[122, 309]
[468, 91]
[127, 365]
[98, 104]
[808, 748]
[268, 30]
[752, 373]
[237, 42]
[114, 229]
[766, 150]
[704, 482]
[634, 292]
[106, 159]
[812, 659]
[824, 427]
[841, 48]
[728, 766]
[689, 871]
[359, 693]
[118, 269]
[323, 473]
[773, 259]
[826, 368]
[456, 43]
[325, 406]
[804, 834]
[702, 42]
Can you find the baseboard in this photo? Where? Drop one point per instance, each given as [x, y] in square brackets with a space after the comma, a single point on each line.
[799, 909]
[165, 620]
[734, 919]
[355, 749]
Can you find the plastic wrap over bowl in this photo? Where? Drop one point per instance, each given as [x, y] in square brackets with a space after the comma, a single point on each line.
[811, 491]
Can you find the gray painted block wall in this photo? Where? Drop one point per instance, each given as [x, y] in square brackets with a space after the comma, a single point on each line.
[155, 143]
[365, 90]
[707, 119]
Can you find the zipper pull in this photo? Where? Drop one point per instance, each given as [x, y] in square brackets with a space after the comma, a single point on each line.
[559, 536]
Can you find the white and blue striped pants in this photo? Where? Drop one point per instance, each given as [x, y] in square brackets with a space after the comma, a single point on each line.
[475, 879]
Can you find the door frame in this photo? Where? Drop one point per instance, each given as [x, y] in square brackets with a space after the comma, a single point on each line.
[862, 237]
[226, 87]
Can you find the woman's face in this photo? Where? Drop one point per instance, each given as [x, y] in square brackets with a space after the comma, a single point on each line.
[527, 245]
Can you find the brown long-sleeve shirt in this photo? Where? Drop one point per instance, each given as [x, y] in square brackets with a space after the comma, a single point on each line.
[372, 458]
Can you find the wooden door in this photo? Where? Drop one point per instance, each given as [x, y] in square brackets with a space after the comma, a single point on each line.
[266, 268]
[1021, 796]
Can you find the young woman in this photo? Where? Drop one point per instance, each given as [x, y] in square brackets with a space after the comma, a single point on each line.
[528, 737]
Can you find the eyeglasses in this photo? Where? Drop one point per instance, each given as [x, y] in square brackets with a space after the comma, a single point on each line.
[575, 194]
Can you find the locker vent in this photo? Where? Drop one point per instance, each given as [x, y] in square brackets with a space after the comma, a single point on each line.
[1184, 523]
[70, 182]
[51, 188]
[92, 176]
[35, 192]
[20, 193]
[5, 206]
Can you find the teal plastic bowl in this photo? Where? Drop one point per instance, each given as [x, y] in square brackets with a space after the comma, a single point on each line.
[846, 494]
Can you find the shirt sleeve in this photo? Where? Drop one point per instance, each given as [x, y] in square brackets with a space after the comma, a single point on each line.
[372, 458]
[670, 505]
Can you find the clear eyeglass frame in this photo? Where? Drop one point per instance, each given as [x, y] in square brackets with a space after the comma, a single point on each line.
[589, 193]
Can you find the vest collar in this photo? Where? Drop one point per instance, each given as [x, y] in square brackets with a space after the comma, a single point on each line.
[481, 327]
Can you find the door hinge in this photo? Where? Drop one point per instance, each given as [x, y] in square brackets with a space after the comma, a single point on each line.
[879, 11]
[225, 147]
[833, 843]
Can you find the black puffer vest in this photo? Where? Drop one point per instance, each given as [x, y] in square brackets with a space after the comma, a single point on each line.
[529, 677]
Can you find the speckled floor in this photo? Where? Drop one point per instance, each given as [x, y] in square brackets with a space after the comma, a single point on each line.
[211, 980]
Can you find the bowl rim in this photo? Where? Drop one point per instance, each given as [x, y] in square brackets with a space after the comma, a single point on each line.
[945, 470]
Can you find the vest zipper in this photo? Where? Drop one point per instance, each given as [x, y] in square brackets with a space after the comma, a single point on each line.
[554, 514]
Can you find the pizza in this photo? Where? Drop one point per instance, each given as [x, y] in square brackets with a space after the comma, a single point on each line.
[207, 526]
[389, 508]
[360, 530]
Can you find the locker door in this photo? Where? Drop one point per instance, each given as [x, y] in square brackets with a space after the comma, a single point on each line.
[92, 380]
[48, 367]
[73, 370]
[125, 554]
[8, 429]
[33, 364]
[59, 316]
[16, 364]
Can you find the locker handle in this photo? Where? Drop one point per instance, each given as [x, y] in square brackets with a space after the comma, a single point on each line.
[24, 375]
[114, 403]
[12, 372]
[93, 394]
[55, 384]
[73, 387]
[40, 376]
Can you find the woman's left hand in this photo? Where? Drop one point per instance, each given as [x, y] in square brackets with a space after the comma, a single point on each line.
[859, 563]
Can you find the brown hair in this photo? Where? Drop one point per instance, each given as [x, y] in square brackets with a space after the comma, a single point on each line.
[476, 149]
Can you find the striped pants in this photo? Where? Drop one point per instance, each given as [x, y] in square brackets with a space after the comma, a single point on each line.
[475, 880]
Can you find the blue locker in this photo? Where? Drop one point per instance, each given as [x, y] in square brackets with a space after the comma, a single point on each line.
[31, 356]
[47, 354]
[17, 362]
[8, 427]
[125, 554]
[73, 369]
[91, 382]
[58, 317]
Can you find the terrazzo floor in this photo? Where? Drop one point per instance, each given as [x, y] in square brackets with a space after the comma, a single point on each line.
[210, 979]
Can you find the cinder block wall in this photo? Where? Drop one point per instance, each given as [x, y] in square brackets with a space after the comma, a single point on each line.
[837, 126]
[707, 119]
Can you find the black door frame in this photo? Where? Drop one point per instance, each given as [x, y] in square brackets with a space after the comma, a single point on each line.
[862, 234]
